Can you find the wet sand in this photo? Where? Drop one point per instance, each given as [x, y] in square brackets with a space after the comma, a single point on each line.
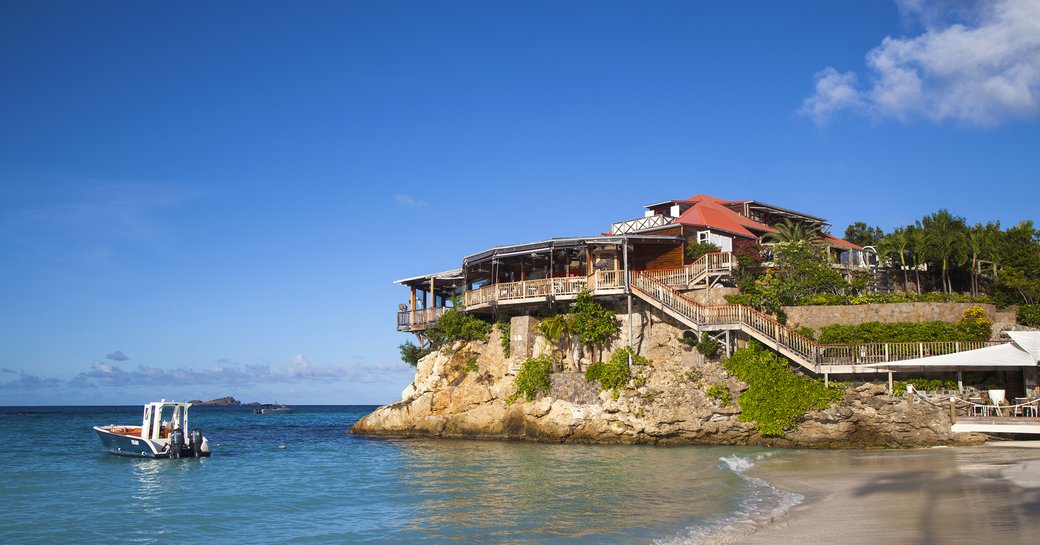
[986, 495]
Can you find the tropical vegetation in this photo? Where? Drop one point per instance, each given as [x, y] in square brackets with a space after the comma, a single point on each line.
[776, 396]
[943, 252]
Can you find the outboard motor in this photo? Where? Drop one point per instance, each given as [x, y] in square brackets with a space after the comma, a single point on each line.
[176, 443]
[195, 440]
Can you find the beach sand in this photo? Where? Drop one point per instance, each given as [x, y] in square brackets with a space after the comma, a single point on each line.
[986, 495]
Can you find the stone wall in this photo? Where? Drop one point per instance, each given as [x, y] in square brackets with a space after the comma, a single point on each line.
[824, 315]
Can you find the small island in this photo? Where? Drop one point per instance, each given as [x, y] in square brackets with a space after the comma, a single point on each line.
[226, 401]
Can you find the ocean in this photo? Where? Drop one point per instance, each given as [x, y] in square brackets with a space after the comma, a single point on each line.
[303, 478]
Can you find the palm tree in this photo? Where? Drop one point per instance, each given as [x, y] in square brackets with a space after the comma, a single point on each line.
[944, 241]
[554, 329]
[915, 236]
[898, 242]
[978, 243]
[790, 231]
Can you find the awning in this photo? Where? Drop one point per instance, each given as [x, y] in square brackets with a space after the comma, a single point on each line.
[560, 244]
[447, 276]
[1022, 351]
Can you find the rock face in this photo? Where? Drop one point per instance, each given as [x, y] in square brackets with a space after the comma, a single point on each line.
[664, 404]
[221, 402]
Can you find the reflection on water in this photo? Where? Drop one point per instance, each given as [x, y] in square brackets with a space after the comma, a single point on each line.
[556, 493]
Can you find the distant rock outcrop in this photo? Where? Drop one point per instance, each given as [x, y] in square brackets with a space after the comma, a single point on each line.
[221, 402]
[666, 405]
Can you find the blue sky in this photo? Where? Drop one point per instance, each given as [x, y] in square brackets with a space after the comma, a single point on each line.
[208, 199]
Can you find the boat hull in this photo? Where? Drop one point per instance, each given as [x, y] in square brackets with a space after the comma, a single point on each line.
[126, 445]
[137, 447]
[278, 411]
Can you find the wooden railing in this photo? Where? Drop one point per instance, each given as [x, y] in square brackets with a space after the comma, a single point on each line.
[682, 277]
[638, 224]
[657, 290]
[607, 280]
[866, 353]
[802, 349]
[657, 286]
[422, 318]
[527, 289]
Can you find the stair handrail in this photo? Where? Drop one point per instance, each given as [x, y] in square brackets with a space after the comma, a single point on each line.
[746, 316]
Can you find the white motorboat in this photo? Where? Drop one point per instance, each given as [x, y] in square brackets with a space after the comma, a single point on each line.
[155, 437]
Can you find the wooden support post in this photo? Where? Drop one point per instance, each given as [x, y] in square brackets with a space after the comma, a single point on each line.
[411, 308]
[434, 293]
[890, 392]
[960, 381]
[953, 411]
[628, 292]
[826, 380]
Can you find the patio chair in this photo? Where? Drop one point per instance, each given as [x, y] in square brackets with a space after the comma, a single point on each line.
[978, 407]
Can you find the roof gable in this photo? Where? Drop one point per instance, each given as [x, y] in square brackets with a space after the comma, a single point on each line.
[711, 212]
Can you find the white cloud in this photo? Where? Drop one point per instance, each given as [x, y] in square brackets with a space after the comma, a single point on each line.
[975, 63]
[298, 370]
[29, 382]
[408, 200]
[118, 355]
[834, 92]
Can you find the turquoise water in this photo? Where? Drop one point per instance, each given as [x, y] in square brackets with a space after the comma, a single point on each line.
[302, 478]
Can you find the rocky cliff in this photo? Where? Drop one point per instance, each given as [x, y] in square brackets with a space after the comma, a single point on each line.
[462, 392]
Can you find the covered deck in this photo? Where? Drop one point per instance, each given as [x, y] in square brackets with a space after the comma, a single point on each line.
[555, 270]
[431, 295]
[559, 269]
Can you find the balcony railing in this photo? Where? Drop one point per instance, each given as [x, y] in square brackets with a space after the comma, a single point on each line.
[717, 263]
[408, 320]
[638, 224]
[528, 289]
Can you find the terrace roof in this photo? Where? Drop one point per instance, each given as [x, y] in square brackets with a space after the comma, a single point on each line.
[445, 276]
[559, 243]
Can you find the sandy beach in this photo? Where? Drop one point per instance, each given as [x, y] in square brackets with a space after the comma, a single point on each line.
[979, 495]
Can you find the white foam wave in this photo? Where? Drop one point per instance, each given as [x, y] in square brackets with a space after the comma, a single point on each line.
[764, 504]
[736, 463]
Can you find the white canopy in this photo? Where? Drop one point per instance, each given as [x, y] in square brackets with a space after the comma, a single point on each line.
[1022, 351]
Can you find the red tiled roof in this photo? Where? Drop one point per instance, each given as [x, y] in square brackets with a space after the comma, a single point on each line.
[839, 242]
[711, 212]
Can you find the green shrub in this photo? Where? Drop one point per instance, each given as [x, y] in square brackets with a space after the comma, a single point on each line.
[615, 374]
[471, 364]
[593, 323]
[699, 249]
[720, 393]
[456, 325]
[693, 375]
[708, 346]
[533, 379]
[746, 299]
[924, 384]
[806, 332]
[1029, 315]
[776, 396]
[974, 324]
[823, 299]
[972, 328]
[503, 327]
[411, 354]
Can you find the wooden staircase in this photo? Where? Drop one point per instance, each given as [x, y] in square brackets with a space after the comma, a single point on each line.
[818, 358]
